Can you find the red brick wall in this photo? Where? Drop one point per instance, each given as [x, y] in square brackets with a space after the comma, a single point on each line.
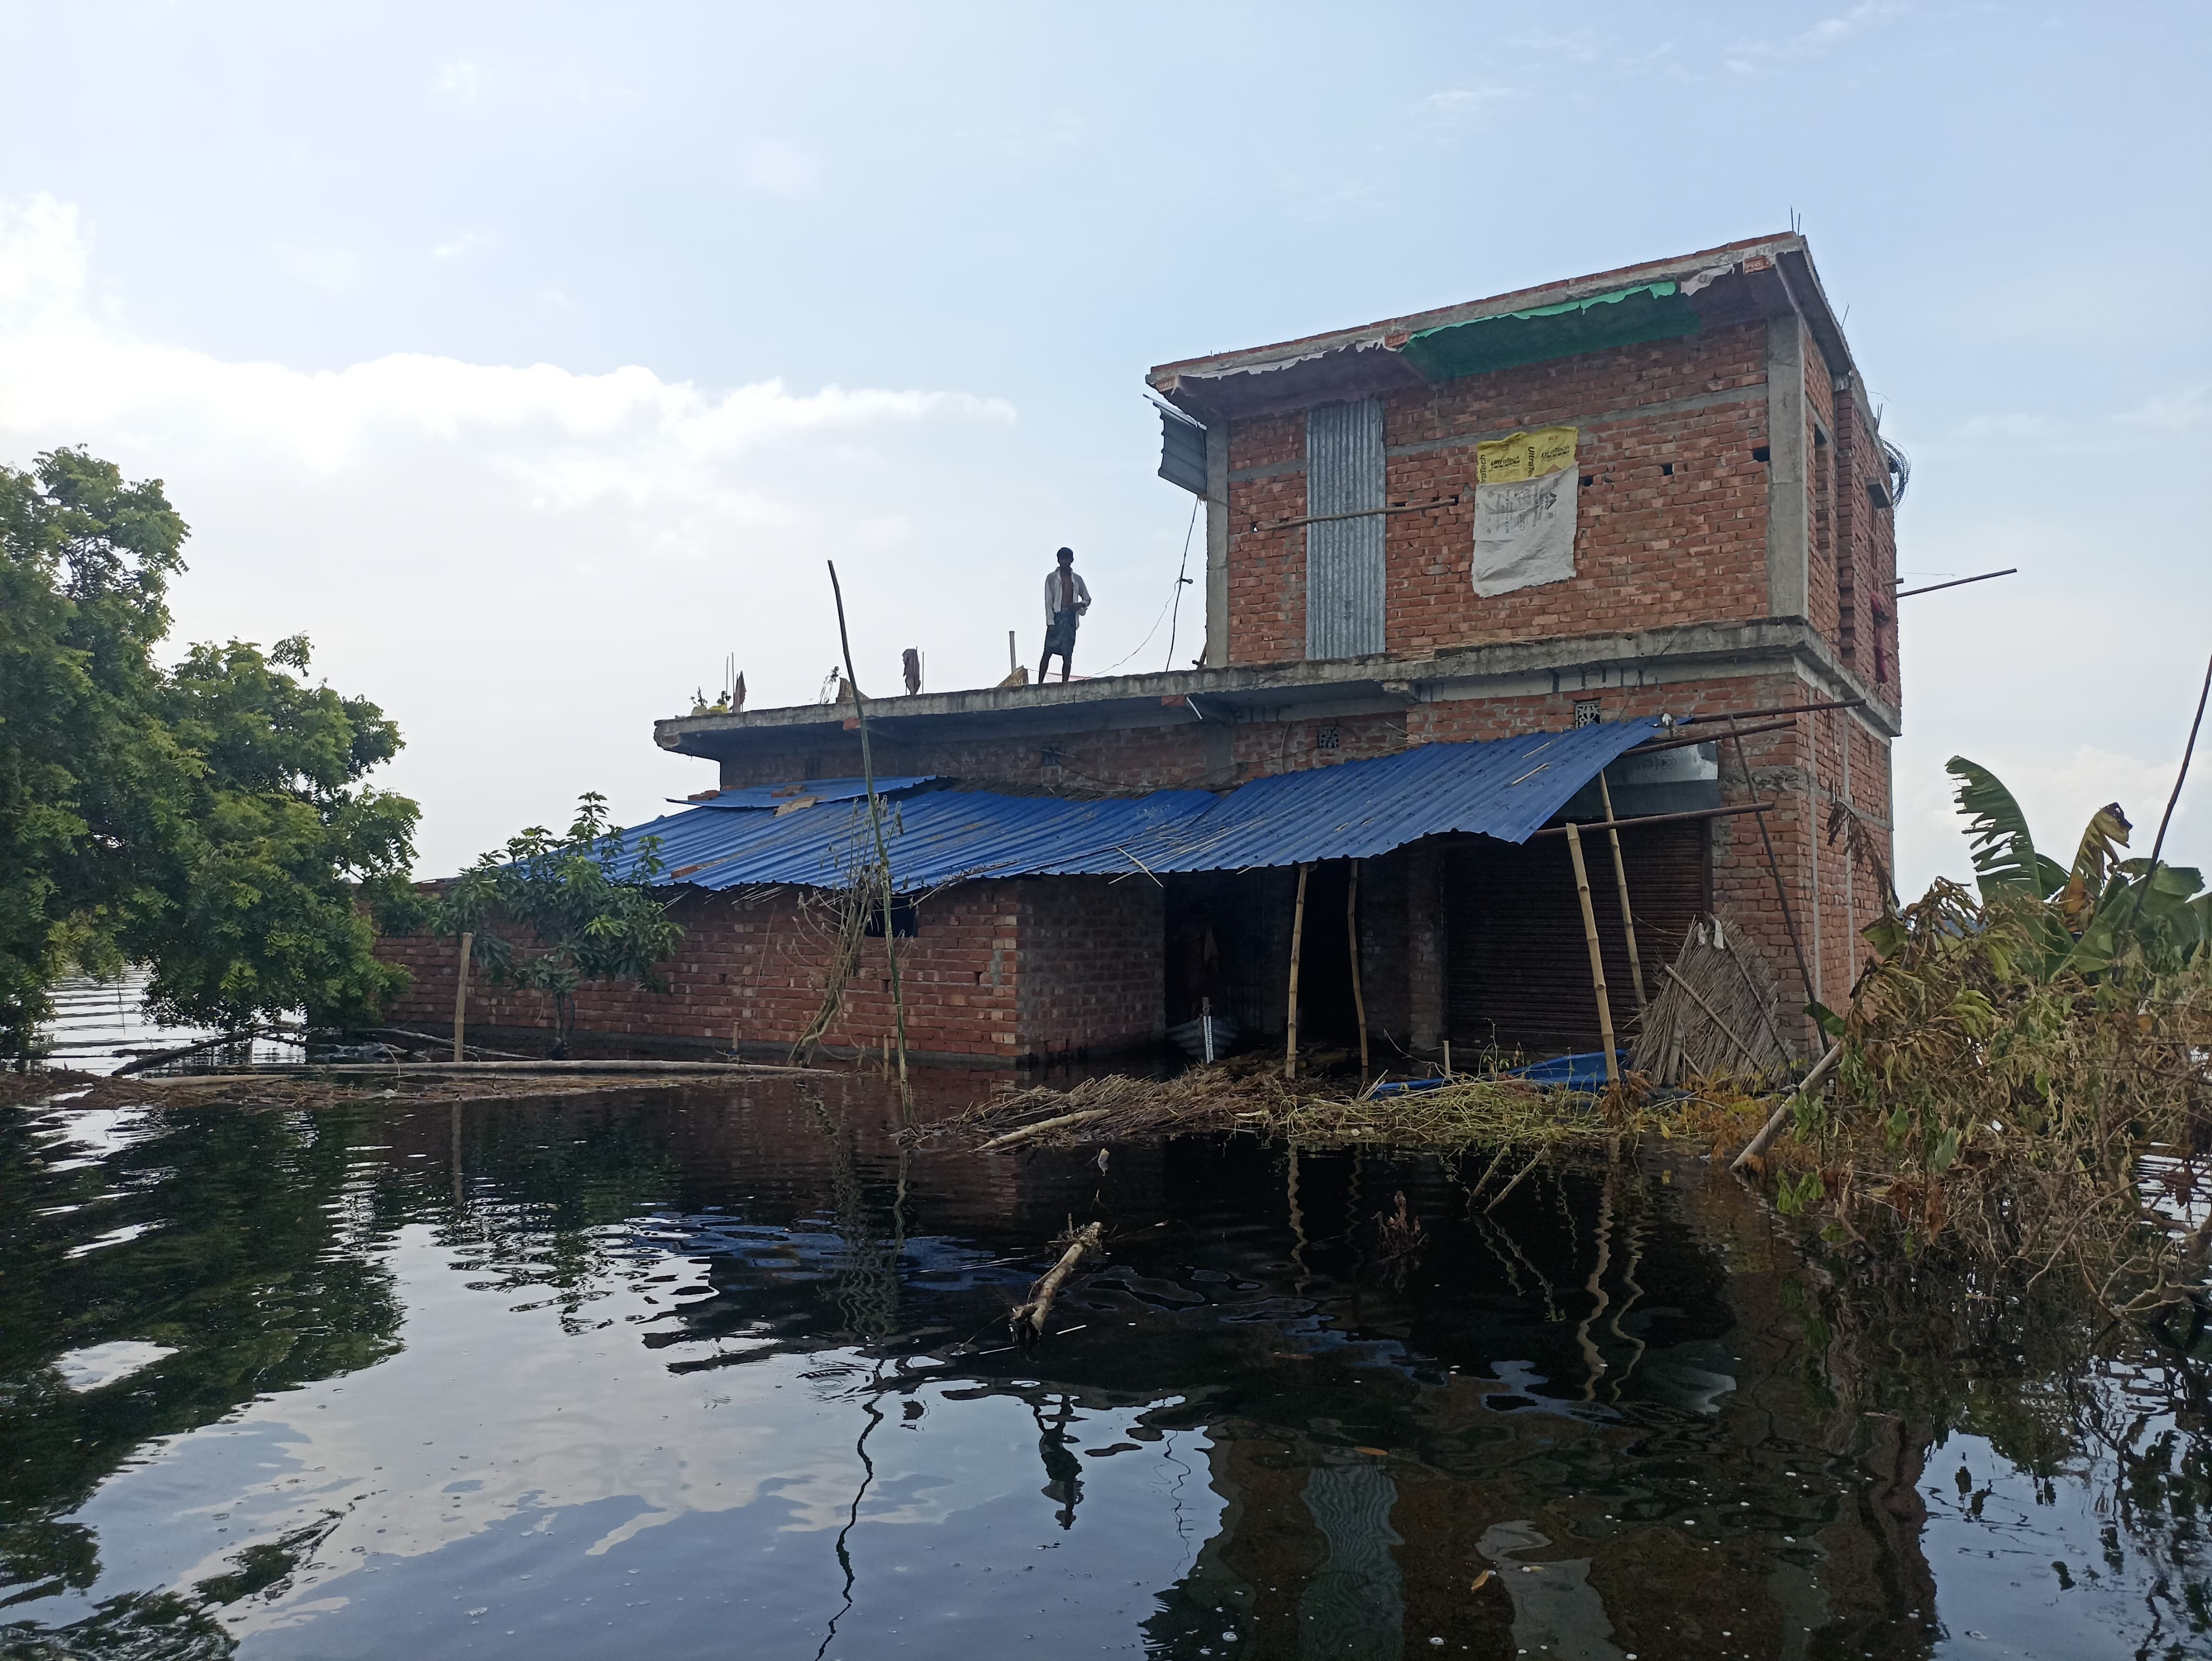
[1822, 553]
[1406, 994]
[1652, 549]
[995, 971]
[1092, 963]
[1866, 570]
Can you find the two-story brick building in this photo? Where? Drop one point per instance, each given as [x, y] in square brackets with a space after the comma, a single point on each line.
[1655, 492]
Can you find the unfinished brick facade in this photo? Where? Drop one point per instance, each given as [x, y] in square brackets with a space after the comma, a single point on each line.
[1733, 550]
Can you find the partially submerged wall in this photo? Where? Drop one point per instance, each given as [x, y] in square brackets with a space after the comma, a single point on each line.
[996, 973]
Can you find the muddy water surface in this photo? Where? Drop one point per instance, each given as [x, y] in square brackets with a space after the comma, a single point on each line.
[724, 1373]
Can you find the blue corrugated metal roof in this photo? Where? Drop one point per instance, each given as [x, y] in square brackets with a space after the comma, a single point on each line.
[781, 795]
[938, 837]
[1506, 788]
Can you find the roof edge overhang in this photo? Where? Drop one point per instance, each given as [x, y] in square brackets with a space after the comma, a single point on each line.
[1296, 691]
[1759, 277]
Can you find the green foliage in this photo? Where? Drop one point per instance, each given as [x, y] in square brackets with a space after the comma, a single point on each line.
[1794, 1196]
[2009, 1065]
[582, 901]
[208, 820]
[2004, 851]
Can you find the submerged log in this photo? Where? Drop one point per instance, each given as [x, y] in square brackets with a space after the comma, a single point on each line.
[1028, 1318]
[1059, 1123]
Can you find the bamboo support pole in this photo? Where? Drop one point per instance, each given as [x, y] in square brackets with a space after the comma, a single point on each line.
[1597, 955]
[1298, 943]
[461, 996]
[1620, 881]
[1351, 932]
[1774, 868]
[875, 824]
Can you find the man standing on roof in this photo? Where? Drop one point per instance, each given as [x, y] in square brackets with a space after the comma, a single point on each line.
[1067, 597]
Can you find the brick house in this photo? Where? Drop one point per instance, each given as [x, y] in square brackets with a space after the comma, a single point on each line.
[1716, 539]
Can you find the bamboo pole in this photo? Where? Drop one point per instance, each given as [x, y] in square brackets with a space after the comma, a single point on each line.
[1620, 878]
[1773, 1127]
[1596, 957]
[875, 823]
[1659, 818]
[1298, 943]
[461, 995]
[1774, 868]
[1352, 932]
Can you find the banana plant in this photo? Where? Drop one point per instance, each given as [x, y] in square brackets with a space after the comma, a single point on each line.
[2086, 919]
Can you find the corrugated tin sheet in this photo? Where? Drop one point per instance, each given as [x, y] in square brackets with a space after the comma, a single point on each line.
[1344, 556]
[1504, 788]
[938, 837]
[1182, 451]
[781, 795]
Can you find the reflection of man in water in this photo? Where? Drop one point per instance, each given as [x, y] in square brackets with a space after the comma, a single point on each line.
[1067, 597]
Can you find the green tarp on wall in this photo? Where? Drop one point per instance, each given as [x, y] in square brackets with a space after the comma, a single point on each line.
[1649, 311]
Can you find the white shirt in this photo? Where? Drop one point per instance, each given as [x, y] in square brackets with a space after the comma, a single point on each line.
[1052, 594]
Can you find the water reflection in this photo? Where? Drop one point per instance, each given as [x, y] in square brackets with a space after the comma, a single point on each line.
[691, 1373]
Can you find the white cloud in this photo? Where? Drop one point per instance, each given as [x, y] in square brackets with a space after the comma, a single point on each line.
[458, 80]
[776, 169]
[1461, 104]
[526, 564]
[463, 244]
[321, 265]
[1828, 32]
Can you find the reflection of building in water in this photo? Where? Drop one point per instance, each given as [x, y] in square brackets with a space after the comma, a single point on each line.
[1644, 1482]
[1354, 1603]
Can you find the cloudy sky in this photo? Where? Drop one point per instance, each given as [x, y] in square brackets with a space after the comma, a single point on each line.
[532, 359]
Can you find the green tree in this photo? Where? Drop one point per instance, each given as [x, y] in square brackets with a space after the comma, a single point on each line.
[206, 819]
[583, 901]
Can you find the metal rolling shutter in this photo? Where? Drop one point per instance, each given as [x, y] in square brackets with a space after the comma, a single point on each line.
[1344, 556]
[1519, 967]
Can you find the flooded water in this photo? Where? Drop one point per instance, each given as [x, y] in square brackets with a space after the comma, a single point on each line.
[723, 1373]
[99, 1025]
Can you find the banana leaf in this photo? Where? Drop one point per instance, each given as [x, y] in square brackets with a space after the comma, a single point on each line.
[2004, 851]
[2100, 852]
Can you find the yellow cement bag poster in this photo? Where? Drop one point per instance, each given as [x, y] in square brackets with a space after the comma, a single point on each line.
[1524, 510]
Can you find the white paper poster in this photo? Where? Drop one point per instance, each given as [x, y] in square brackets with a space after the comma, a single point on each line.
[1524, 511]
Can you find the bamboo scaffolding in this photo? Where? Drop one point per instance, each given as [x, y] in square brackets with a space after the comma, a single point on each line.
[875, 825]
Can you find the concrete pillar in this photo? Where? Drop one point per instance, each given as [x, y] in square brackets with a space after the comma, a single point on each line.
[1788, 579]
[1216, 544]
